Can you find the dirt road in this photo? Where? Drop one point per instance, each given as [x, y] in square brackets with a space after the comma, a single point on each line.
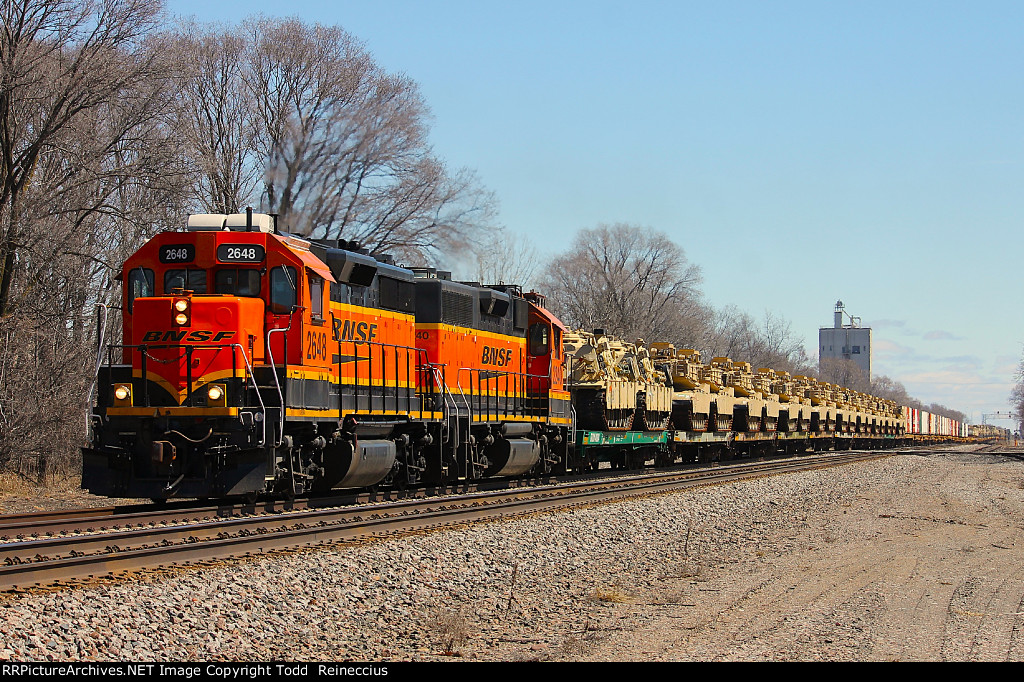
[928, 568]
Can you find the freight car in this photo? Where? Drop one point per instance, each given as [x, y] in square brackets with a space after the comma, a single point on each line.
[254, 361]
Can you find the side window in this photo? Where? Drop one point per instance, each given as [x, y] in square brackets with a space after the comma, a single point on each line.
[192, 280]
[316, 297]
[237, 282]
[140, 283]
[539, 339]
[283, 290]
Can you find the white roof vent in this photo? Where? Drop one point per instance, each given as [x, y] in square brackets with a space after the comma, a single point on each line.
[238, 222]
[206, 221]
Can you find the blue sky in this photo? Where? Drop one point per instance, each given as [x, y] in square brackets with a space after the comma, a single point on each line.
[800, 152]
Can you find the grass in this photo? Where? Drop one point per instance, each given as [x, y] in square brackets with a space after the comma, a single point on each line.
[610, 595]
[451, 629]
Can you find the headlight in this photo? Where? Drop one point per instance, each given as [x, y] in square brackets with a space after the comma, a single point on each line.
[217, 395]
[123, 393]
[181, 306]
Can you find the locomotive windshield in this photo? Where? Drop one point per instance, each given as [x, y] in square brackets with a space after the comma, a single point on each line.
[539, 339]
[283, 293]
[140, 283]
[237, 282]
[190, 280]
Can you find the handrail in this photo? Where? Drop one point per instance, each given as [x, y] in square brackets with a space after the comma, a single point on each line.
[453, 412]
[273, 370]
[412, 386]
[263, 407]
[101, 312]
[521, 390]
[250, 375]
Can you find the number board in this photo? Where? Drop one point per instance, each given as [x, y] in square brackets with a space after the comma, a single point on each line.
[241, 253]
[177, 253]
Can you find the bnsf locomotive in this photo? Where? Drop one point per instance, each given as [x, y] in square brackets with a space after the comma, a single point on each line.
[255, 361]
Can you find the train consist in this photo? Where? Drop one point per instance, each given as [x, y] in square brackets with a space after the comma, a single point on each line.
[254, 361]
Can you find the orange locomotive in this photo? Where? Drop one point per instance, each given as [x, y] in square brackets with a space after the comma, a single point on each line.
[254, 361]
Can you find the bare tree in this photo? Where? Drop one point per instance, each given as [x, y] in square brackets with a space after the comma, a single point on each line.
[88, 167]
[844, 372]
[768, 343]
[506, 257]
[943, 411]
[890, 389]
[344, 145]
[61, 61]
[216, 119]
[1017, 396]
[630, 280]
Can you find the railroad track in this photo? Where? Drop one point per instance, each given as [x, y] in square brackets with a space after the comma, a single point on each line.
[102, 519]
[49, 560]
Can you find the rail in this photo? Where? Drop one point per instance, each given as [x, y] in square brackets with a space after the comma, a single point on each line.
[48, 560]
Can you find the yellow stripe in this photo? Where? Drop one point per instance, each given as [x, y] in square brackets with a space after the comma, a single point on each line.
[508, 417]
[172, 411]
[451, 328]
[204, 379]
[333, 414]
[370, 312]
[320, 375]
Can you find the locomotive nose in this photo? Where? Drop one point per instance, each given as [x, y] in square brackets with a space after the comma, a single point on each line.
[183, 342]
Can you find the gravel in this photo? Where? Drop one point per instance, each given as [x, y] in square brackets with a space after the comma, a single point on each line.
[609, 582]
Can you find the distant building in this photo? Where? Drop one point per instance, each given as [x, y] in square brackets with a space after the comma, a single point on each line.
[846, 341]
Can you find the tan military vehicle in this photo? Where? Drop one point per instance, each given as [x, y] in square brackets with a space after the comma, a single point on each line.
[694, 389]
[614, 384]
[755, 408]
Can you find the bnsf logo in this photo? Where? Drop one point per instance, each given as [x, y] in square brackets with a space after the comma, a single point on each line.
[347, 330]
[499, 357]
[196, 336]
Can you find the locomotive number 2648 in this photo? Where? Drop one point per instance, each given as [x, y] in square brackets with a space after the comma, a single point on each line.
[316, 346]
[241, 253]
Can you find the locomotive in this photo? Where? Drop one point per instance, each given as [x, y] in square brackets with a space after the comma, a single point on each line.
[253, 361]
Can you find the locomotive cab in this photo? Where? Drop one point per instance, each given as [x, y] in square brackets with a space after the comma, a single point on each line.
[546, 361]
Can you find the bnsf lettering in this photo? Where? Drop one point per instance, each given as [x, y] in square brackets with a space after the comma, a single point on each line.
[499, 357]
[196, 336]
[347, 330]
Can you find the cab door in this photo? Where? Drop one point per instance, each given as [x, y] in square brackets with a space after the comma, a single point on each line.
[544, 353]
[284, 316]
[316, 329]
